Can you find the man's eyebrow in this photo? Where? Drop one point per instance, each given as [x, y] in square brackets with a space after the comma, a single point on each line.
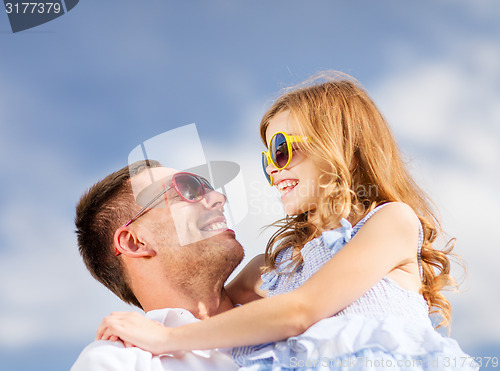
[151, 190]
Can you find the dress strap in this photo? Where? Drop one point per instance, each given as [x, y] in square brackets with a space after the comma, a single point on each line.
[362, 222]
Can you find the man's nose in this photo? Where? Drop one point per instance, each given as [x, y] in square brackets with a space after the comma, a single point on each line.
[213, 200]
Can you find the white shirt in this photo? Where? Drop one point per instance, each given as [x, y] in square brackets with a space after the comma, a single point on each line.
[113, 356]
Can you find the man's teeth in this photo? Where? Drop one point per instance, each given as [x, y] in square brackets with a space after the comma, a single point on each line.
[215, 226]
[287, 183]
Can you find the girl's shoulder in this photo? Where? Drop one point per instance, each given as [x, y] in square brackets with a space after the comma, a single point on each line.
[393, 215]
[398, 220]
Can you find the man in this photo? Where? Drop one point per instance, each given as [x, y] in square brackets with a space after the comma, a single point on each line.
[136, 254]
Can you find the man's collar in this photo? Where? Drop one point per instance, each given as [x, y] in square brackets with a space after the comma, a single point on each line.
[172, 317]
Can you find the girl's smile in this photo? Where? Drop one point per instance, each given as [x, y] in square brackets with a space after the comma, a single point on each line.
[286, 185]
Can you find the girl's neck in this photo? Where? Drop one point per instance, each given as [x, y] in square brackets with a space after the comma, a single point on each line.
[315, 220]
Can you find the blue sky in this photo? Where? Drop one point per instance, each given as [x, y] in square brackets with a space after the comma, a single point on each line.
[79, 93]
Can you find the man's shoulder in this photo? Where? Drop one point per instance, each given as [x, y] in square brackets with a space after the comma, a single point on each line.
[113, 356]
[109, 355]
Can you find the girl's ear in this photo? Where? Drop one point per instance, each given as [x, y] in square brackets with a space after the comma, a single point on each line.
[127, 243]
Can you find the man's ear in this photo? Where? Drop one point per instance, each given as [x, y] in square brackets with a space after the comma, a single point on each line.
[127, 243]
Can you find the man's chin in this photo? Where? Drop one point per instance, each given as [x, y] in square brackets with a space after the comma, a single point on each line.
[220, 254]
[212, 236]
[226, 237]
[202, 236]
[233, 249]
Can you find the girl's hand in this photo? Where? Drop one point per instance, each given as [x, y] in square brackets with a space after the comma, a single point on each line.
[133, 329]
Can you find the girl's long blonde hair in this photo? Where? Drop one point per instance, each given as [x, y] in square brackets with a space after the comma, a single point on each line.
[362, 168]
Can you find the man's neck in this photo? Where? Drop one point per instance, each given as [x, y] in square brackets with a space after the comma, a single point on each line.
[201, 304]
[211, 306]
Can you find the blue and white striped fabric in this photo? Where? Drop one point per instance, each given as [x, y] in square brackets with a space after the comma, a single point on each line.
[387, 325]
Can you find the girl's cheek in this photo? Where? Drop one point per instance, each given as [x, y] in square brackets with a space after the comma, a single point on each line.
[297, 158]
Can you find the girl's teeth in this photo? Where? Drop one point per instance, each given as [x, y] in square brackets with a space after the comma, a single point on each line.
[287, 183]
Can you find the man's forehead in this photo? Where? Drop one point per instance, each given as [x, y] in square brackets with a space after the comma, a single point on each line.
[150, 176]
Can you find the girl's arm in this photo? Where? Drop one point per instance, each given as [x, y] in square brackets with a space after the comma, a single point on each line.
[387, 240]
[246, 286]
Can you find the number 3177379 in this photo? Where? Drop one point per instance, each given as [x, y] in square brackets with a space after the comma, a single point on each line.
[32, 8]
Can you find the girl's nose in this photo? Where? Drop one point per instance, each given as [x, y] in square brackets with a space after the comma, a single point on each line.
[271, 169]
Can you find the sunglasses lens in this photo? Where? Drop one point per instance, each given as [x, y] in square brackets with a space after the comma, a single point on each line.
[190, 187]
[206, 183]
[279, 150]
[265, 163]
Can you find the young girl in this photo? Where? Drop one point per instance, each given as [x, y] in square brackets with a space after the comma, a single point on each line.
[354, 253]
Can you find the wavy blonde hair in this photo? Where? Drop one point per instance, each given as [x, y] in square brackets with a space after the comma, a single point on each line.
[362, 168]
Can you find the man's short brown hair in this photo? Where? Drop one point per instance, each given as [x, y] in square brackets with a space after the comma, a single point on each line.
[102, 209]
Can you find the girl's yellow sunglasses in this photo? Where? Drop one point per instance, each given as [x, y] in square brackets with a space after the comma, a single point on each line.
[280, 152]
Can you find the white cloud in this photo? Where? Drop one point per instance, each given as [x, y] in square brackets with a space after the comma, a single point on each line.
[419, 97]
